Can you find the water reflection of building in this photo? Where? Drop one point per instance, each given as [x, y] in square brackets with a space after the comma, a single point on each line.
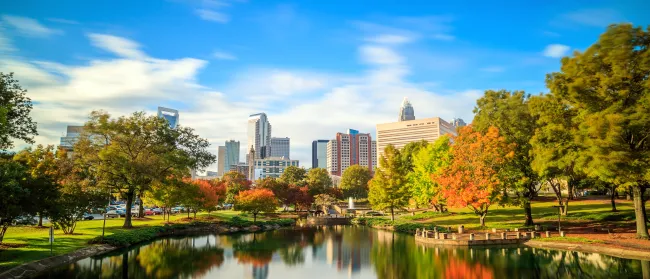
[259, 272]
[348, 252]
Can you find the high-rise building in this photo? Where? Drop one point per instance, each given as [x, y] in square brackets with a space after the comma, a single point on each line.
[280, 147]
[259, 135]
[232, 154]
[406, 111]
[272, 167]
[319, 154]
[251, 164]
[458, 122]
[221, 160]
[349, 149]
[171, 115]
[71, 137]
[400, 133]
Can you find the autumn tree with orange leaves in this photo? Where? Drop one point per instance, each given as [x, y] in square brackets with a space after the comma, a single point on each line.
[472, 179]
[256, 200]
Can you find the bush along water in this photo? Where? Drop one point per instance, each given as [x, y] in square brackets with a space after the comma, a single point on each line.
[398, 226]
[129, 237]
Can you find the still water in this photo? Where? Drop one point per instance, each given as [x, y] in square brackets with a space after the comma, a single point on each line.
[339, 252]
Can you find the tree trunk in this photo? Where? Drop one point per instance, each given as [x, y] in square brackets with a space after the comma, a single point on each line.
[254, 218]
[129, 203]
[40, 219]
[613, 198]
[482, 218]
[641, 226]
[141, 210]
[570, 190]
[4, 230]
[392, 214]
[564, 207]
[528, 210]
[628, 193]
[194, 213]
[188, 213]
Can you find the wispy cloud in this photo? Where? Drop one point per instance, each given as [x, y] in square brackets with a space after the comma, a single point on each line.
[5, 43]
[390, 39]
[221, 55]
[556, 50]
[29, 27]
[117, 45]
[378, 55]
[62, 20]
[211, 15]
[443, 37]
[591, 17]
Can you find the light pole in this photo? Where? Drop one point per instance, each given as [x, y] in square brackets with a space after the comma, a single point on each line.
[106, 211]
[559, 218]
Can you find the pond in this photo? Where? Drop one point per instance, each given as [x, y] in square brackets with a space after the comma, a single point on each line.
[339, 252]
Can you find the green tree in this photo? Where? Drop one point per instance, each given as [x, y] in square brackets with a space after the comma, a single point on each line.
[354, 182]
[609, 86]
[40, 164]
[256, 201]
[428, 162]
[408, 152]
[14, 192]
[294, 175]
[510, 113]
[130, 154]
[15, 122]
[388, 188]
[235, 183]
[318, 180]
[554, 149]
[324, 200]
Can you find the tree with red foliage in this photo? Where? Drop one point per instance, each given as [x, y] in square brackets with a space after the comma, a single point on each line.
[299, 197]
[472, 179]
[279, 188]
[256, 201]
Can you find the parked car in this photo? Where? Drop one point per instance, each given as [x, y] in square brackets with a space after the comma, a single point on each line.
[148, 211]
[115, 213]
[88, 216]
[176, 209]
[157, 211]
[24, 220]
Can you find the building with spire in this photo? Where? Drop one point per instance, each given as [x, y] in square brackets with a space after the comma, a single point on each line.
[251, 163]
[458, 122]
[259, 135]
[406, 111]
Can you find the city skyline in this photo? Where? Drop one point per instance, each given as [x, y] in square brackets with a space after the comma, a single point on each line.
[353, 75]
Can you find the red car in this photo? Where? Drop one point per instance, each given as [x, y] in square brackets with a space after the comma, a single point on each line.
[148, 211]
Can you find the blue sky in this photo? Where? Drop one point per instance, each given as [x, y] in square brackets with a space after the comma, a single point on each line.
[315, 67]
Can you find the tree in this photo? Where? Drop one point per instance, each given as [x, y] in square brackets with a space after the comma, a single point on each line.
[609, 86]
[211, 194]
[235, 183]
[324, 200]
[354, 182]
[429, 161]
[388, 188]
[256, 201]
[130, 154]
[554, 149]
[165, 195]
[294, 175]
[14, 192]
[473, 178]
[15, 122]
[318, 180]
[510, 113]
[408, 152]
[299, 197]
[279, 188]
[41, 166]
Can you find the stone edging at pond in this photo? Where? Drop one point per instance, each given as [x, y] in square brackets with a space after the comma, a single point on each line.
[591, 248]
[37, 267]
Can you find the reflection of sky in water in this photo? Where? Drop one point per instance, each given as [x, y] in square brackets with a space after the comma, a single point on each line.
[340, 252]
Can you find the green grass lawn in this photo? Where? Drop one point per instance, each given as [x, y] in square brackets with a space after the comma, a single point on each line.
[582, 211]
[38, 247]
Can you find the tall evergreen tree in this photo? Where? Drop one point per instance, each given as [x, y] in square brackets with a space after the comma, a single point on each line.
[388, 188]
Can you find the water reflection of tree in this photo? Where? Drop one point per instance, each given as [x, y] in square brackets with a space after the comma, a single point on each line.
[259, 250]
[167, 258]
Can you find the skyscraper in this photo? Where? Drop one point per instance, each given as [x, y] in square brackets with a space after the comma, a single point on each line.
[71, 137]
[280, 147]
[259, 135]
[232, 154]
[319, 154]
[171, 115]
[406, 111]
[458, 122]
[221, 160]
[400, 133]
[349, 149]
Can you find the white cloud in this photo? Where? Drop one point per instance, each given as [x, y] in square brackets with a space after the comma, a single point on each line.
[211, 15]
[221, 55]
[390, 39]
[379, 55]
[592, 17]
[29, 27]
[5, 43]
[117, 45]
[556, 50]
[303, 105]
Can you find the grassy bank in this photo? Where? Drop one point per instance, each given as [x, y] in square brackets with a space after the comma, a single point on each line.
[33, 242]
[581, 213]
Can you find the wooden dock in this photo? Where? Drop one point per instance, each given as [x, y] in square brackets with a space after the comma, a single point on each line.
[474, 239]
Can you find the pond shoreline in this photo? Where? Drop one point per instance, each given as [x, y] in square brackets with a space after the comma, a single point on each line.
[34, 268]
[591, 248]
